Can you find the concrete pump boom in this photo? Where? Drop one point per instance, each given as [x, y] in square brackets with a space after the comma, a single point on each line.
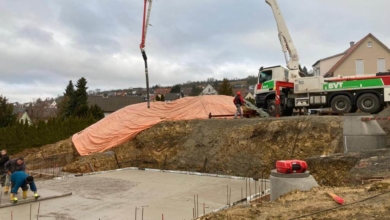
[142, 45]
[145, 24]
[286, 42]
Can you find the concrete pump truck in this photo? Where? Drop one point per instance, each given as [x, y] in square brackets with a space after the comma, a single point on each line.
[281, 90]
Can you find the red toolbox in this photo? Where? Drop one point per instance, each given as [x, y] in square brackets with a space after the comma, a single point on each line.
[291, 166]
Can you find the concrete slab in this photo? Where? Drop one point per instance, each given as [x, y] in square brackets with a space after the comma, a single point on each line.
[115, 195]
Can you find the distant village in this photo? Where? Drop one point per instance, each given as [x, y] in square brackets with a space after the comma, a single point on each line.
[111, 101]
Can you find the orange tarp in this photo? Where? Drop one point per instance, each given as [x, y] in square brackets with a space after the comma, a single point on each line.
[126, 123]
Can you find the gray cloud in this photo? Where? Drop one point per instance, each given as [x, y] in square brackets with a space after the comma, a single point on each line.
[35, 35]
[45, 44]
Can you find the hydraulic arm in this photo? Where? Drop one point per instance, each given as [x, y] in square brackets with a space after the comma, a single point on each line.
[286, 42]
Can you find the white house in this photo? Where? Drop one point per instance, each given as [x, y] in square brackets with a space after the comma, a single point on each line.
[249, 96]
[23, 118]
[209, 90]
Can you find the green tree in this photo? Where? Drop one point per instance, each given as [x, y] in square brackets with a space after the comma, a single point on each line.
[64, 102]
[162, 98]
[225, 88]
[215, 85]
[69, 91]
[176, 89]
[158, 98]
[78, 103]
[96, 112]
[195, 91]
[63, 107]
[7, 117]
[305, 70]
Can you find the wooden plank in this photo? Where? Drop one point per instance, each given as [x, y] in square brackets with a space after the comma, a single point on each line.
[21, 202]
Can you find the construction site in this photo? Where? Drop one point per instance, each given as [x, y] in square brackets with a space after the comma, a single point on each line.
[212, 168]
[196, 158]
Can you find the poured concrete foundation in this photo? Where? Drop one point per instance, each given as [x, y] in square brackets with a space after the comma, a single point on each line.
[117, 195]
[285, 183]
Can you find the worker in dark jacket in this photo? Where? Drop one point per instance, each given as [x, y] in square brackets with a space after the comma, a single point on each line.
[4, 159]
[238, 101]
[21, 179]
[10, 167]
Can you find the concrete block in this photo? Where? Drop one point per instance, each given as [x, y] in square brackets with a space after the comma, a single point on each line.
[285, 183]
[361, 135]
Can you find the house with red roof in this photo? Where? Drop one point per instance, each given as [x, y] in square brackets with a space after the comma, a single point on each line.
[368, 56]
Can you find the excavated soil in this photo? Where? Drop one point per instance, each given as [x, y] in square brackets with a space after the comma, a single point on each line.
[360, 203]
[350, 169]
[385, 124]
[247, 147]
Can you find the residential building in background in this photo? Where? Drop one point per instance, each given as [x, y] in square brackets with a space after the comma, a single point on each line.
[367, 56]
[172, 97]
[23, 117]
[110, 104]
[209, 90]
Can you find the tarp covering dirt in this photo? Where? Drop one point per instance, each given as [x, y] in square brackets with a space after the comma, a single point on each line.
[127, 122]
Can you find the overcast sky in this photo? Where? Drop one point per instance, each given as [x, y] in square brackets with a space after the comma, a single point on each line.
[44, 44]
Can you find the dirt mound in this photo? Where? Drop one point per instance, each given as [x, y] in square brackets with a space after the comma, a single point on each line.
[246, 147]
[350, 169]
[385, 124]
[51, 155]
[359, 203]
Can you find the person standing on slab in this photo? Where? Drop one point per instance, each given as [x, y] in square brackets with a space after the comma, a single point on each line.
[10, 167]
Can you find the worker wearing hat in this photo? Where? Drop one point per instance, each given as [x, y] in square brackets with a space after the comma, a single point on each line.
[22, 179]
[238, 101]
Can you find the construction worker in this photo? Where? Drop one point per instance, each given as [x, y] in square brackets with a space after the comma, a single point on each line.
[238, 101]
[4, 159]
[10, 167]
[21, 179]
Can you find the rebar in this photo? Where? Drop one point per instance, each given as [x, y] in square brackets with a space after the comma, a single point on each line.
[262, 192]
[255, 187]
[194, 207]
[227, 194]
[250, 190]
[135, 213]
[241, 193]
[246, 191]
[39, 205]
[197, 206]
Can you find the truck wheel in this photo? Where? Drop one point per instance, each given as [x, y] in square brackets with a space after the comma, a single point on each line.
[341, 104]
[271, 108]
[369, 103]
